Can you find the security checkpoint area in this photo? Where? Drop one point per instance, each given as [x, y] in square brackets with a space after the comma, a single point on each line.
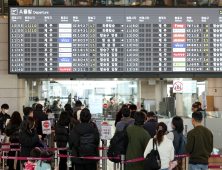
[96, 85]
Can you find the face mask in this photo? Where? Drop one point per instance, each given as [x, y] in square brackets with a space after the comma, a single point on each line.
[6, 111]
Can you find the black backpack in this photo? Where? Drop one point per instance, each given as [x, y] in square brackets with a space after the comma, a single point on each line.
[118, 145]
[152, 161]
[87, 146]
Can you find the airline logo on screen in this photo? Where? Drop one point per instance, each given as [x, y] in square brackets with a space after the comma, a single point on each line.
[65, 64]
[179, 25]
[179, 47]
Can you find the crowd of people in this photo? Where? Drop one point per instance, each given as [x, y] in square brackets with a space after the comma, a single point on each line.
[76, 130]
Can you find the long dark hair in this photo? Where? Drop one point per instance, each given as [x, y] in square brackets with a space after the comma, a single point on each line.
[64, 119]
[178, 124]
[29, 123]
[16, 119]
[68, 109]
[161, 129]
[46, 154]
[35, 153]
[119, 114]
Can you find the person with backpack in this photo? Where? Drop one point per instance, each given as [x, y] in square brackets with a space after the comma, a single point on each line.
[175, 137]
[199, 143]
[163, 145]
[138, 139]
[62, 135]
[84, 141]
[126, 120]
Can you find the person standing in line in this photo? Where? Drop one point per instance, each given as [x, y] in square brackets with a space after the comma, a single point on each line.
[41, 116]
[174, 136]
[28, 137]
[133, 109]
[28, 112]
[164, 146]
[62, 135]
[110, 108]
[138, 139]
[126, 120]
[199, 144]
[78, 106]
[84, 141]
[119, 114]
[36, 102]
[3, 117]
[150, 125]
[12, 131]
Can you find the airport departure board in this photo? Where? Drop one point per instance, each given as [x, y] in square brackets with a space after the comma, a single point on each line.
[114, 39]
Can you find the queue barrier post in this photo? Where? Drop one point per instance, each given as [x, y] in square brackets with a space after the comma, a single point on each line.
[122, 162]
[187, 163]
[3, 161]
[20, 162]
[67, 167]
[104, 162]
[47, 140]
[56, 158]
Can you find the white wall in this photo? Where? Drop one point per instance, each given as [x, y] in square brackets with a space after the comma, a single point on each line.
[12, 89]
[215, 83]
[147, 91]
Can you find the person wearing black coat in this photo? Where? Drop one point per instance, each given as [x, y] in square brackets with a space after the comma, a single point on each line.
[62, 135]
[12, 131]
[3, 117]
[84, 127]
[150, 125]
[28, 137]
[41, 116]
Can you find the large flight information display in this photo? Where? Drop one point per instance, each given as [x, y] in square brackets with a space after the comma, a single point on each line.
[81, 39]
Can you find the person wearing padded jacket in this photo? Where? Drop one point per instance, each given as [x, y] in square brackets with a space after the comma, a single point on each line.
[61, 135]
[12, 130]
[28, 137]
[174, 136]
[84, 130]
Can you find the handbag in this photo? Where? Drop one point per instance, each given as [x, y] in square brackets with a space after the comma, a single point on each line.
[152, 161]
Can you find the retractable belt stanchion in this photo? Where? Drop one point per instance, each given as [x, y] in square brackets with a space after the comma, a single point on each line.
[56, 158]
[104, 162]
[3, 161]
[187, 163]
[67, 159]
[50, 140]
[21, 167]
[122, 161]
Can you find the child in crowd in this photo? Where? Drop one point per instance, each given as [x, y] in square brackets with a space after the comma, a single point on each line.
[30, 165]
[45, 164]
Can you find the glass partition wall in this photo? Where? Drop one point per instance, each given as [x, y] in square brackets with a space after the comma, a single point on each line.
[55, 94]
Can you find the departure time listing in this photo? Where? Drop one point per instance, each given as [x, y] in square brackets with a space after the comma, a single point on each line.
[115, 40]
